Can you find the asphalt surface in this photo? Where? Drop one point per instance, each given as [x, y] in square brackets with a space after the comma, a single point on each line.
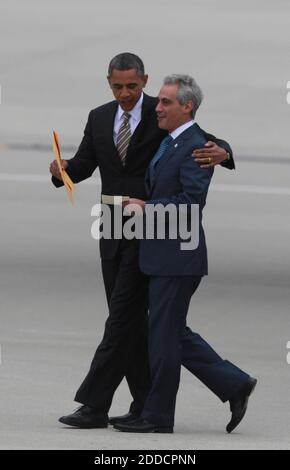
[53, 60]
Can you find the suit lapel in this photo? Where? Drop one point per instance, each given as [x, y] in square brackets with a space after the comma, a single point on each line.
[108, 133]
[174, 147]
[148, 106]
[163, 161]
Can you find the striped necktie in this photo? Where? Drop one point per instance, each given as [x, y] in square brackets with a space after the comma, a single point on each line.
[123, 137]
[150, 174]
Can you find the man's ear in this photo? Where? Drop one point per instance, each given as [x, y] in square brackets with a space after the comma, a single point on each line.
[108, 78]
[145, 80]
[188, 107]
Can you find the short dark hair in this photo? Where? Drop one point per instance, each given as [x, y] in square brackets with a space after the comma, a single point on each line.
[126, 61]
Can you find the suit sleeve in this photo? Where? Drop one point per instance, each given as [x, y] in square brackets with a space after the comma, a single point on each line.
[84, 163]
[230, 164]
[195, 183]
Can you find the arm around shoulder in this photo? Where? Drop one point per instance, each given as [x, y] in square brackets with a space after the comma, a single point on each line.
[229, 162]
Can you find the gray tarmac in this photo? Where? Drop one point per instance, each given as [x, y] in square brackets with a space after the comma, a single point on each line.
[53, 59]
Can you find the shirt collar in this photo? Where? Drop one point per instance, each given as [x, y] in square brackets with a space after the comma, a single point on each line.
[174, 134]
[135, 112]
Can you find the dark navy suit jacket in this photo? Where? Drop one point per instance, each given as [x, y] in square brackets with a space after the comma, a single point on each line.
[179, 180]
[97, 149]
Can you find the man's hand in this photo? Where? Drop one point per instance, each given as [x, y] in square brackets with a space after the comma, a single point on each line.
[210, 155]
[135, 205]
[54, 168]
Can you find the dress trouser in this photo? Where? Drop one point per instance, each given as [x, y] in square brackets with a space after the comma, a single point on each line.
[171, 344]
[123, 349]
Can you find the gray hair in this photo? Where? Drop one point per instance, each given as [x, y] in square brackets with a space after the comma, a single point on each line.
[188, 90]
[126, 61]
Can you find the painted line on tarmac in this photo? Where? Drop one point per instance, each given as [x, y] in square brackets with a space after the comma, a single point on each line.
[224, 188]
[35, 178]
[71, 149]
[239, 188]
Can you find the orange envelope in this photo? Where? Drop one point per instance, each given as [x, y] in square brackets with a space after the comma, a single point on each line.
[69, 185]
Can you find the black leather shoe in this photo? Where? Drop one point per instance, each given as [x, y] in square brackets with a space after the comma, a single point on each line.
[85, 417]
[124, 419]
[239, 403]
[141, 425]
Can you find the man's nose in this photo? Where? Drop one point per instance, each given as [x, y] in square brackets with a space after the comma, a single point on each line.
[124, 92]
[158, 108]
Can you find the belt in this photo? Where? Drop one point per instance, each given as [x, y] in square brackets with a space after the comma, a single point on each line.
[114, 200]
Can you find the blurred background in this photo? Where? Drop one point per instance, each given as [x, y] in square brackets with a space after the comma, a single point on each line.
[53, 65]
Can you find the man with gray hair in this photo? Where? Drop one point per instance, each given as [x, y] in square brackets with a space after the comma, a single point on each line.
[173, 177]
[188, 90]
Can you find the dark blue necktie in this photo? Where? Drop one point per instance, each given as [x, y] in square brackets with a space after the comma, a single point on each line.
[151, 171]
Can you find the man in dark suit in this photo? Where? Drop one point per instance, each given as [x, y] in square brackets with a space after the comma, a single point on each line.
[120, 138]
[175, 179]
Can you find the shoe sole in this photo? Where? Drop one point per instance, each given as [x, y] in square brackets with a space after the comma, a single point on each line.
[85, 426]
[253, 387]
[159, 430]
[123, 422]
[254, 383]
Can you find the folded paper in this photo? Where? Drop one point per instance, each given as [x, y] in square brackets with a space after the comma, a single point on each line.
[69, 185]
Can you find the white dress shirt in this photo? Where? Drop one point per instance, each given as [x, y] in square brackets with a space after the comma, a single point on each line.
[174, 134]
[134, 120]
